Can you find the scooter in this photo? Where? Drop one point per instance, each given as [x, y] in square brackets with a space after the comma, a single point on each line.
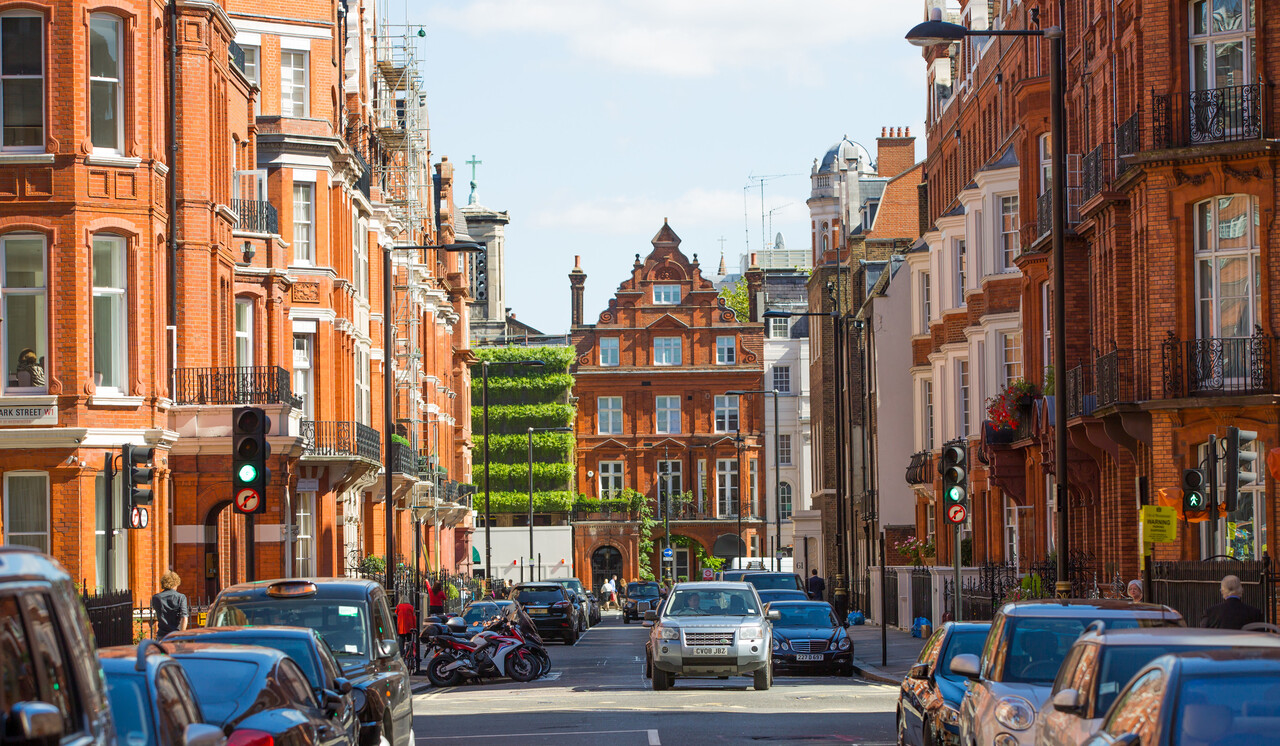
[498, 651]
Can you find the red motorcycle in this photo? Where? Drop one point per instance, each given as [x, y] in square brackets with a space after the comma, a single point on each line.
[500, 650]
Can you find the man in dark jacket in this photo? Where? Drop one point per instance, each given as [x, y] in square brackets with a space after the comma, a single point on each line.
[169, 606]
[1232, 613]
[817, 586]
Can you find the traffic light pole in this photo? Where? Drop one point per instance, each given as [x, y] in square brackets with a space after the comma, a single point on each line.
[959, 596]
[250, 549]
[109, 471]
[1213, 494]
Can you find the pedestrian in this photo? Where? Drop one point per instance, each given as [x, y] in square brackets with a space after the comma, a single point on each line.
[606, 590]
[406, 621]
[170, 606]
[817, 586]
[1134, 591]
[436, 597]
[1233, 612]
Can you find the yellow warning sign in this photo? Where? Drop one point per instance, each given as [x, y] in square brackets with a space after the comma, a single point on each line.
[203, 618]
[1159, 523]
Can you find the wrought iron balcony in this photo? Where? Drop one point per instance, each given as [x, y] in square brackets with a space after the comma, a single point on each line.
[1217, 366]
[1097, 170]
[404, 460]
[365, 182]
[1115, 377]
[338, 438]
[236, 52]
[1081, 399]
[256, 216]
[1216, 115]
[259, 385]
[1128, 140]
[920, 468]
[1044, 210]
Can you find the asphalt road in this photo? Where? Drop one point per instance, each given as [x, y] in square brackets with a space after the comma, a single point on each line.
[597, 694]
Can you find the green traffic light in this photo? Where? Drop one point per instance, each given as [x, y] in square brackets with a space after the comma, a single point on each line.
[955, 494]
[247, 473]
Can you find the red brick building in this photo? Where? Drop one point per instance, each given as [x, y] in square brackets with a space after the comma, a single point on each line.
[653, 416]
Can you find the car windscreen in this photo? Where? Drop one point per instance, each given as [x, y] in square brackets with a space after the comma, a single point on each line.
[807, 615]
[1120, 662]
[722, 602]
[130, 708]
[221, 686]
[783, 595]
[573, 585]
[1228, 708]
[300, 651]
[537, 595]
[343, 624]
[642, 590]
[968, 642]
[774, 581]
[1037, 645]
[479, 613]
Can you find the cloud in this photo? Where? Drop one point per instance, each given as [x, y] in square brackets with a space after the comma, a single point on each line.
[691, 38]
[639, 216]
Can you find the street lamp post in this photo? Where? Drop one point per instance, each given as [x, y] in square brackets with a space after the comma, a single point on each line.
[936, 32]
[533, 430]
[737, 453]
[388, 391]
[484, 399]
[777, 471]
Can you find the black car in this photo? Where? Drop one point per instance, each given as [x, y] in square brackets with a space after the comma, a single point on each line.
[152, 702]
[253, 693]
[552, 607]
[306, 647]
[774, 581]
[589, 602]
[641, 597]
[353, 617]
[807, 638]
[785, 594]
[929, 699]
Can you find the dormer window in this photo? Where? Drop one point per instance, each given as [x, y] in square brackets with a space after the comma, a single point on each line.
[666, 295]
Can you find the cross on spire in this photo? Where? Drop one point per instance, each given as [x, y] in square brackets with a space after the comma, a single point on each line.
[473, 199]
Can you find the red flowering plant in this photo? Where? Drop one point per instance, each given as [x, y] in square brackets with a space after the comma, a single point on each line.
[1005, 408]
[916, 549]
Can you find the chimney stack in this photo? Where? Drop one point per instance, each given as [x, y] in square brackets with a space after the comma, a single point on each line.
[895, 151]
[577, 286]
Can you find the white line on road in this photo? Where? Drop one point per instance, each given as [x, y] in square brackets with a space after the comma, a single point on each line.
[652, 735]
[653, 738]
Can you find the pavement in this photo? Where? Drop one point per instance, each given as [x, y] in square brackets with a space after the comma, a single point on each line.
[887, 660]
[597, 692]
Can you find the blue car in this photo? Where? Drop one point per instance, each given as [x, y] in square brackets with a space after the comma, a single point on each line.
[929, 700]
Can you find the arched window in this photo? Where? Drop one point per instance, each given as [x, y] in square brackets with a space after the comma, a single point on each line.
[22, 81]
[110, 314]
[784, 500]
[106, 77]
[25, 313]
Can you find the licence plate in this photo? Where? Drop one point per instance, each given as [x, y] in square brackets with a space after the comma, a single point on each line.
[709, 651]
[808, 657]
[537, 611]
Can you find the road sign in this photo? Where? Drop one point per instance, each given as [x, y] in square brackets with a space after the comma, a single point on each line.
[708, 573]
[667, 553]
[139, 517]
[956, 513]
[1159, 523]
[247, 500]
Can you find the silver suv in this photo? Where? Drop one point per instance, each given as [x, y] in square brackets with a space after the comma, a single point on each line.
[711, 630]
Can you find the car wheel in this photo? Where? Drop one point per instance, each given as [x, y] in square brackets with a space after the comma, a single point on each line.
[763, 678]
[927, 737]
[625, 619]
[902, 729]
[648, 667]
[571, 637]
[661, 680]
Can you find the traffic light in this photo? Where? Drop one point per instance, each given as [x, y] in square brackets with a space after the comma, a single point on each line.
[954, 467]
[138, 473]
[1194, 498]
[249, 453]
[1240, 467]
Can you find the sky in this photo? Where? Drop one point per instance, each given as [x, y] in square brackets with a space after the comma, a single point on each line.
[596, 119]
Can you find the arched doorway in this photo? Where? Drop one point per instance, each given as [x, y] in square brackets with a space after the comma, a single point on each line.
[729, 547]
[223, 560]
[606, 562]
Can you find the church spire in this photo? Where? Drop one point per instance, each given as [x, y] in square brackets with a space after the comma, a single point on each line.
[473, 199]
[723, 270]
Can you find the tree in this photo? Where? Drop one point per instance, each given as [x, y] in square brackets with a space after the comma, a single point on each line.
[737, 298]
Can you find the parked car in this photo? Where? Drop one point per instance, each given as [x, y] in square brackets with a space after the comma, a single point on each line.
[152, 701]
[1213, 697]
[641, 597]
[711, 630]
[785, 594]
[929, 699]
[590, 601]
[479, 612]
[254, 693]
[351, 615]
[1028, 639]
[807, 638]
[44, 627]
[774, 581]
[306, 648]
[551, 607]
[1103, 660]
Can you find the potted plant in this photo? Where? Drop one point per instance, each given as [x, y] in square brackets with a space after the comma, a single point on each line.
[1005, 409]
[917, 550]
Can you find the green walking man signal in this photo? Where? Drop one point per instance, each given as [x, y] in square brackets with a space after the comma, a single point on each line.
[1194, 497]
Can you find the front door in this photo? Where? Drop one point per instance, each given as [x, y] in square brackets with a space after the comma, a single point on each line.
[606, 562]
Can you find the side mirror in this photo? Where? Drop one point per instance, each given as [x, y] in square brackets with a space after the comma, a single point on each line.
[1067, 700]
[332, 701]
[647, 623]
[34, 722]
[203, 734]
[965, 665]
[342, 685]
[919, 671]
[773, 615]
[388, 649]
[651, 616]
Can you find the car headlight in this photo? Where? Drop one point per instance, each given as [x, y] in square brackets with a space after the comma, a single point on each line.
[1015, 713]
[668, 633]
[358, 699]
[950, 715]
[780, 644]
[843, 644]
[753, 632]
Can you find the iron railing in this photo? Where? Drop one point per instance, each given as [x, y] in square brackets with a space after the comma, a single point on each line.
[111, 616]
[236, 53]
[339, 438]
[1192, 587]
[258, 385]
[1115, 377]
[1128, 140]
[1081, 398]
[256, 216]
[1218, 365]
[1044, 210]
[1229, 114]
[921, 594]
[920, 468]
[1097, 170]
[404, 460]
[365, 182]
[891, 598]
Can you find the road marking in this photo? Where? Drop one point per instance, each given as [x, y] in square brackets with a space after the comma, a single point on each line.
[653, 738]
[552, 676]
[652, 735]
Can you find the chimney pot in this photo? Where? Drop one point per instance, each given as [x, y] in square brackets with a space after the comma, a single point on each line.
[882, 131]
[577, 261]
[908, 132]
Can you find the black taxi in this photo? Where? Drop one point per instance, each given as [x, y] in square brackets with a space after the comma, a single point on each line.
[354, 618]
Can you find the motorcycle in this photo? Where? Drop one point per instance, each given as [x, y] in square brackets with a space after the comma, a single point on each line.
[500, 650]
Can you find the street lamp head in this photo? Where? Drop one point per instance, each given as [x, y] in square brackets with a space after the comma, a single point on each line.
[935, 33]
[775, 314]
[463, 246]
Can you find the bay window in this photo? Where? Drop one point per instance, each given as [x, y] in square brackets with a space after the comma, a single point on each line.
[22, 82]
[303, 223]
[25, 317]
[106, 97]
[302, 346]
[110, 317]
[244, 332]
[293, 84]
[1010, 223]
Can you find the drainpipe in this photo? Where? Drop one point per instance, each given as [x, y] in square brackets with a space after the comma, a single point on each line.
[172, 113]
